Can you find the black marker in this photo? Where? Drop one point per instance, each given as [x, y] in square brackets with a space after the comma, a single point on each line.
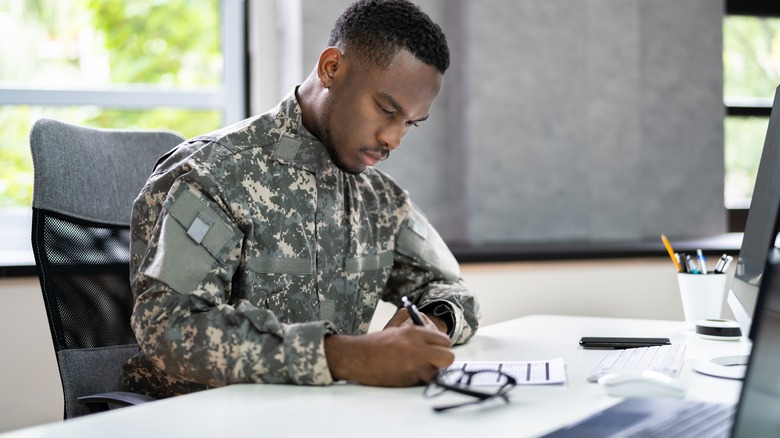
[414, 314]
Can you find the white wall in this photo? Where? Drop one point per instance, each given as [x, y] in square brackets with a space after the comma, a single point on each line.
[644, 288]
[30, 390]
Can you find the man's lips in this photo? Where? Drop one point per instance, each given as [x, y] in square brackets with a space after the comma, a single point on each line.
[371, 158]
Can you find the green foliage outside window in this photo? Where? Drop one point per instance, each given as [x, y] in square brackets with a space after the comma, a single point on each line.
[98, 44]
[751, 56]
[751, 65]
[172, 42]
[15, 161]
[744, 140]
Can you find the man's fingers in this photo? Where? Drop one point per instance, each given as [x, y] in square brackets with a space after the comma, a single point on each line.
[397, 319]
[434, 336]
[441, 357]
[428, 374]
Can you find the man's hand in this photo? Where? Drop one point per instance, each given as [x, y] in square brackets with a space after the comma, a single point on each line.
[403, 355]
[401, 317]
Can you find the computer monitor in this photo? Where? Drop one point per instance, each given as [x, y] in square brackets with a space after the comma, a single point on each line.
[761, 230]
[760, 399]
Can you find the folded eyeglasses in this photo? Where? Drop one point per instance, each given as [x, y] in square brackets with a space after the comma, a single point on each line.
[483, 385]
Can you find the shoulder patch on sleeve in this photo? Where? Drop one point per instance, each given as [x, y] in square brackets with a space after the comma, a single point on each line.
[418, 227]
[420, 241]
[203, 222]
[200, 227]
[195, 236]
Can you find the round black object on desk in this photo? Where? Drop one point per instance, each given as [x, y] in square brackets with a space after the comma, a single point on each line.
[718, 329]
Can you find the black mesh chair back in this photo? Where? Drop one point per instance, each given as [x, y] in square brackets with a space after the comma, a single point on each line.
[84, 184]
[83, 268]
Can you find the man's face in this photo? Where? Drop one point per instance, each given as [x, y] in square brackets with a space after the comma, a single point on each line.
[369, 110]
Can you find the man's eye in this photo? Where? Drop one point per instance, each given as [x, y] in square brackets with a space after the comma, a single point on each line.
[385, 110]
[411, 123]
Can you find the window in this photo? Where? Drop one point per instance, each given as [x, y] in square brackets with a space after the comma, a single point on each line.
[172, 64]
[111, 63]
[751, 65]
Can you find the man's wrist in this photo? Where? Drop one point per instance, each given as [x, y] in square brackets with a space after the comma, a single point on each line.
[336, 347]
[441, 312]
[438, 322]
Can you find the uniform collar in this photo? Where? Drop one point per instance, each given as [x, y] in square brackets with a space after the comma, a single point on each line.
[296, 146]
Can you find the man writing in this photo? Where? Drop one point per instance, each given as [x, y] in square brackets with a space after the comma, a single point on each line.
[259, 252]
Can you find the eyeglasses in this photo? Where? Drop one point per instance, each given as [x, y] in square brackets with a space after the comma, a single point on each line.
[483, 385]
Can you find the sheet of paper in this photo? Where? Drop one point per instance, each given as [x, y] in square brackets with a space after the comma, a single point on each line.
[537, 372]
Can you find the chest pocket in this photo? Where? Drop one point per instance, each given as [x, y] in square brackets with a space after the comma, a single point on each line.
[285, 286]
[367, 275]
[368, 263]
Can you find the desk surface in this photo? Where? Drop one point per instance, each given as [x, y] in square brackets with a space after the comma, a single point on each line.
[347, 410]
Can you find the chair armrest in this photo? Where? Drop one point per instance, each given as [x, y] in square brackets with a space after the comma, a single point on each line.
[103, 402]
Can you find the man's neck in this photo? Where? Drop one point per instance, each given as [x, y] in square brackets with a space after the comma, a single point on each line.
[306, 94]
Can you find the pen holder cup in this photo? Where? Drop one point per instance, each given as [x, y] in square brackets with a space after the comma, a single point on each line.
[702, 296]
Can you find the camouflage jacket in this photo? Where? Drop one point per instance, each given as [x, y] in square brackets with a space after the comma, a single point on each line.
[249, 246]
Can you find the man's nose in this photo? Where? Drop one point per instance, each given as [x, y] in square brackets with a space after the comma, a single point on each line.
[390, 136]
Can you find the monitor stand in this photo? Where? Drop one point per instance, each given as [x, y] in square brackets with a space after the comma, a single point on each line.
[724, 367]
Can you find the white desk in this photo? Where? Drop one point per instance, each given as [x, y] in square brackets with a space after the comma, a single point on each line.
[356, 411]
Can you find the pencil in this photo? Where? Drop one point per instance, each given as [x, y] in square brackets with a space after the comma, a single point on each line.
[670, 251]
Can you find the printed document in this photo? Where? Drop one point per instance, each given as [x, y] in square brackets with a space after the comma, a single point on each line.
[538, 372]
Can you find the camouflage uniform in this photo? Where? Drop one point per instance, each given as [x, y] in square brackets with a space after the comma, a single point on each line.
[249, 246]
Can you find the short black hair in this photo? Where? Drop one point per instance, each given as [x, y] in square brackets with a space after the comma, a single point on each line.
[374, 31]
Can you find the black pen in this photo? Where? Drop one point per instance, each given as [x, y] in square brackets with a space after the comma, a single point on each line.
[414, 314]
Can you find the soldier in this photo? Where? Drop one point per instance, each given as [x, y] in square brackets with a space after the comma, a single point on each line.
[259, 252]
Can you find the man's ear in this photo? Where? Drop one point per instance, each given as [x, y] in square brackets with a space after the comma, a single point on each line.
[328, 65]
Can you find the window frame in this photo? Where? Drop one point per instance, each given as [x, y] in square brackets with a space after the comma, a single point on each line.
[230, 97]
[741, 107]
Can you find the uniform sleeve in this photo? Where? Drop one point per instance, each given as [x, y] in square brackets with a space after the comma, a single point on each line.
[184, 320]
[425, 269]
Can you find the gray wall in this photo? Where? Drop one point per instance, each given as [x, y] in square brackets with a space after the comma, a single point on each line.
[566, 120]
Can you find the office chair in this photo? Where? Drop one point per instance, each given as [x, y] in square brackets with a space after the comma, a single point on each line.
[85, 181]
